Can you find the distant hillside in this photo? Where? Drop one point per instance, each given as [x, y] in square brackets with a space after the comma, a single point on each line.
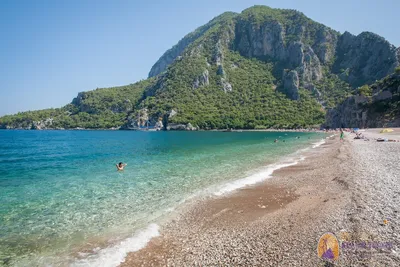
[261, 68]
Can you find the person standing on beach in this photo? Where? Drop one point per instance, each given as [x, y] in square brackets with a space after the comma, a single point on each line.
[341, 135]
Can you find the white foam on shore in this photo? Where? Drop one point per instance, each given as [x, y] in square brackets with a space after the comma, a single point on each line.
[319, 143]
[330, 136]
[255, 178]
[266, 173]
[114, 255]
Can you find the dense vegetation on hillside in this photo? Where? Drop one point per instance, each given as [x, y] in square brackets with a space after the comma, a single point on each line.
[262, 68]
[253, 102]
[102, 108]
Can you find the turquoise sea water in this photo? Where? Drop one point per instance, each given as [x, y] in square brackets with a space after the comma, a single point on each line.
[63, 201]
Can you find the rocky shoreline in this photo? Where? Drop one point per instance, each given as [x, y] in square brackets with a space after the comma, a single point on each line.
[349, 189]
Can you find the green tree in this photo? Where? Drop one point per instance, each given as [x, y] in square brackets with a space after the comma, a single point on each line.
[365, 90]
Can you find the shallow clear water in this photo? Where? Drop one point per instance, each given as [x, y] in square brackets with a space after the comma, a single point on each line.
[60, 192]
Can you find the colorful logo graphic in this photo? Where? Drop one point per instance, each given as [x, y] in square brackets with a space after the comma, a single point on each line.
[328, 247]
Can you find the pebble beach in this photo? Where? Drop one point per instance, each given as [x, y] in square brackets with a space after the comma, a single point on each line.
[350, 189]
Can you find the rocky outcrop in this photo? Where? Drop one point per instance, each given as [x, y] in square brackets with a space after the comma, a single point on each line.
[261, 40]
[288, 44]
[43, 124]
[325, 48]
[365, 58]
[226, 86]
[202, 80]
[180, 127]
[139, 119]
[166, 123]
[172, 113]
[159, 124]
[221, 73]
[350, 113]
[303, 58]
[79, 101]
[291, 84]
[379, 110]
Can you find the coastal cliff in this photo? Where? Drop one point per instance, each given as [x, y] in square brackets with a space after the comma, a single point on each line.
[260, 68]
[377, 105]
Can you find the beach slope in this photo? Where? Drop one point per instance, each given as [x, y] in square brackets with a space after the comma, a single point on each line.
[349, 189]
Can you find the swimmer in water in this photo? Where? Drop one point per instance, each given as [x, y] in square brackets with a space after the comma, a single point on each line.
[120, 166]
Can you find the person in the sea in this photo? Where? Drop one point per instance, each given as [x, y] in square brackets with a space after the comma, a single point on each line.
[120, 166]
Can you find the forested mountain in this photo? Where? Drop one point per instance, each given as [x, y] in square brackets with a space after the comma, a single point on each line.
[261, 68]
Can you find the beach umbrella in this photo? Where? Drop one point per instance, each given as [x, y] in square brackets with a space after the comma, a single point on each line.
[387, 130]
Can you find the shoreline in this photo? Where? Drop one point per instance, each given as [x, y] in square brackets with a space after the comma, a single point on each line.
[306, 130]
[219, 206]
[275, 222]
[217, 191]
[116, 243]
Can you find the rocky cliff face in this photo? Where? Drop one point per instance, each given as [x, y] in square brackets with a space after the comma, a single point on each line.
[301, 45]
[289, 44]
[380, 109]
[291, 84]
[365, 58]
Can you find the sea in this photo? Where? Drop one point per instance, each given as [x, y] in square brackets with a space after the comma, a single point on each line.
[63, 202]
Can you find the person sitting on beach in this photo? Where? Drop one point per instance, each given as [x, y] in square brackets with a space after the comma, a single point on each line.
[359, 136]
[385, 140]
[120, 166]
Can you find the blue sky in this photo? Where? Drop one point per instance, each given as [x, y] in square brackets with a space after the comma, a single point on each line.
[51, 49]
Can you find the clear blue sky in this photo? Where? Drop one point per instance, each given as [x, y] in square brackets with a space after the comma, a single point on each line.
[52, 49]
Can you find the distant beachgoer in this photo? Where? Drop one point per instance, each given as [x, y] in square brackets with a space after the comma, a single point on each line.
[276, 140]
[120, 166]
[341, 135]
[386, 140]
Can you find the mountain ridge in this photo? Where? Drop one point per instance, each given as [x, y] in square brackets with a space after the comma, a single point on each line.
[260, 68]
